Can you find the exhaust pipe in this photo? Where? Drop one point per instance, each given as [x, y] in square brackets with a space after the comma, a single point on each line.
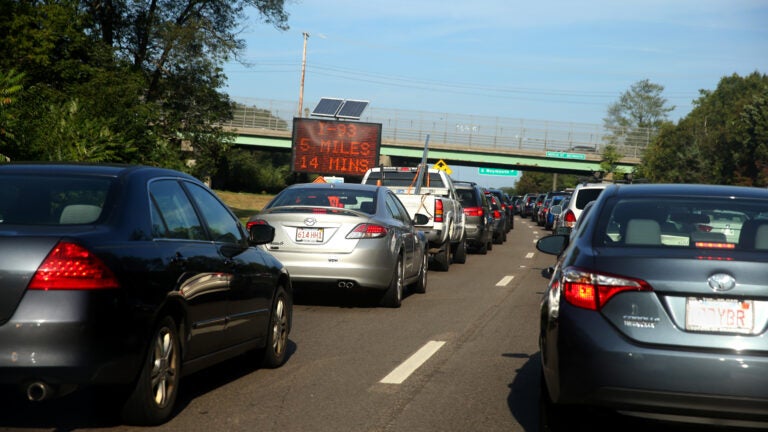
[346, 284]
[39, 391]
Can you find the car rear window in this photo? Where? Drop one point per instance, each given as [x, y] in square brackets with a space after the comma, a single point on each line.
[340, 198]
[586, 195]
[404, 178]
[686, 223]
[49, 200]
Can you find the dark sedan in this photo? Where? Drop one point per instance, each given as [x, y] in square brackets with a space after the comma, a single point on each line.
[129, 277]
[658, 308]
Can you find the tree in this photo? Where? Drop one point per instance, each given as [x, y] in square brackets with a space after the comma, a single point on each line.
[10, 86]
[147, 76]
[637, 115]
[721, 141]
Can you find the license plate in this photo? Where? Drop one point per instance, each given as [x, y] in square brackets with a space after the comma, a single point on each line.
[309, 235]
[719, 315]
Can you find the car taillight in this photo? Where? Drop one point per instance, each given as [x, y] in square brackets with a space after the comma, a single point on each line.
[367, 231]
[592, 291]
[473, 211]
[438, 210]
[569, 218]
[70, 266]
[496, 214]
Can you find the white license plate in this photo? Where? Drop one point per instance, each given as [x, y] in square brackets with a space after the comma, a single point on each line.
[719, 315]
[310, 235]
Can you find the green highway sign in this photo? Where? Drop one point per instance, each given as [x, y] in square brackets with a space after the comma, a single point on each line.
[564, 155]
[498, 172]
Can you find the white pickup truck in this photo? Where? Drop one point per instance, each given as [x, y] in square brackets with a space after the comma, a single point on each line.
[435, 197]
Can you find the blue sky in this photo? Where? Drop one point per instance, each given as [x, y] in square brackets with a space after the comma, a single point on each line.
[548, 60]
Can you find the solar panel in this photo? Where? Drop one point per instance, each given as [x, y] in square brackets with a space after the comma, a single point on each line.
[328, 107]
[352, 109]
[340, 108]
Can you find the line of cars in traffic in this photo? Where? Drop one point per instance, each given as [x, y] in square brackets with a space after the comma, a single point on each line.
[128, 278]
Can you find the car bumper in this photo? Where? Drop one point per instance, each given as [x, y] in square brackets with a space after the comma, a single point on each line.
[68, 338]
[371, 266]
[587, 362]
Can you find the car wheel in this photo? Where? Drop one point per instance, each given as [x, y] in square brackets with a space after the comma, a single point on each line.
[504, 237]
[460, 254]
[497, 238]
[489, 245]
[442, 259]
[274, 353]
[393, 297]
[483, 249]
[420, 286]
[152, 399]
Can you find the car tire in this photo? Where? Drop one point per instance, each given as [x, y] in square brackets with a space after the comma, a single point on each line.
[153, 397]
[483, 249]
[420, 287]
[460, 254]
[497, 239]
[442, 259]
[393, 296]
[489, 245]
[274, 353]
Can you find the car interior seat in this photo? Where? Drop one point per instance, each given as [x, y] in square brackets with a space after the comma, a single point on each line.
[642, 232]
[754, 235]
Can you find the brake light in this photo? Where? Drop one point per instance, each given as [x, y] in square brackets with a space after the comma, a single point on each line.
[367, 231]
[592, 291]
[496, 214]
[438, 210]
[70, 266]
[473, 211]
[569, 218]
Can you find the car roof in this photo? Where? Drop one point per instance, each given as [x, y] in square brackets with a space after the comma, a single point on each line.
[697, 190]
[347, 186]
[108, 170]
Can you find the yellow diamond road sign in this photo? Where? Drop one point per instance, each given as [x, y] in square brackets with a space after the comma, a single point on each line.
[441, 165]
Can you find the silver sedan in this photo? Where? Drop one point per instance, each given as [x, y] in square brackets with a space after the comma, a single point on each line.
[348, 236]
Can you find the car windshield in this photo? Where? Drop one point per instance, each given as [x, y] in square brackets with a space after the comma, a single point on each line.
[686, 222]
[48, 200]
[351, 199]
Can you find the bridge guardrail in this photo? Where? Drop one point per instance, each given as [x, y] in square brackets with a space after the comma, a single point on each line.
[463, 130]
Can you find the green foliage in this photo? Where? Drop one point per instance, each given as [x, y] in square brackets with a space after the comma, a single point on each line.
[541, 182]
[122, 81]
[721, 141]
[638, 113]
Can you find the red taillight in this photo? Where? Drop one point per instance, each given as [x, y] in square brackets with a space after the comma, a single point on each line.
[569, 218]
[70, 266]
[473, 211]
[367, 231]
[496, 214]
[593, 290]
[438, 210]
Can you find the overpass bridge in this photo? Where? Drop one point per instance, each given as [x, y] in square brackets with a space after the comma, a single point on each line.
[457, 139]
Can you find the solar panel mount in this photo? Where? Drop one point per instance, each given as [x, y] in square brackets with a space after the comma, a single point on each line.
[340, 108]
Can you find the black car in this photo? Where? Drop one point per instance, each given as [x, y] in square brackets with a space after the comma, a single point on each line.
[129, 277]
[506, 207]
[499, 219]
[658, 308]
[479, 223]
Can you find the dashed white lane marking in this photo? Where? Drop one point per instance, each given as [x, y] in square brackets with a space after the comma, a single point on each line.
[402, 372]
[505, 281]
[529, 255]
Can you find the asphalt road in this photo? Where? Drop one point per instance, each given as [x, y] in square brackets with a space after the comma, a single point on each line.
[471, 341]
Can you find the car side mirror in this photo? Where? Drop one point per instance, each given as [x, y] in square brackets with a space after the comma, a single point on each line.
[553, 244]
[420, 219]
[260, 232]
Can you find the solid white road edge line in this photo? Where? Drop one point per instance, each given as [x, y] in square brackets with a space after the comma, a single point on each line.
[402, 372]
[505, 281]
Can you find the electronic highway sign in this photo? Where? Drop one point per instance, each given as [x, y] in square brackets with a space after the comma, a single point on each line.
[334, 147]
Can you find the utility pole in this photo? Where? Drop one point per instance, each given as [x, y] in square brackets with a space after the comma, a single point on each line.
[303, 71]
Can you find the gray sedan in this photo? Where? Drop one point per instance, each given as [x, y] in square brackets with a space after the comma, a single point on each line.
[658, 307]
[347, 236]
